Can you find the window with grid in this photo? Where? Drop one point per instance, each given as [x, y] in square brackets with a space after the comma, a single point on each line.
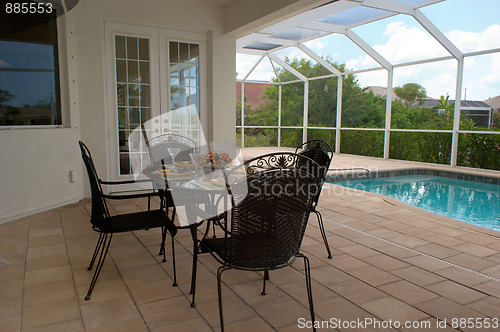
[184, 89]
[29, 70]
[132, 63]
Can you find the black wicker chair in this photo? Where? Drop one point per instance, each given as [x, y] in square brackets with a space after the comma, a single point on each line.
[107, 225]
[321, 153]
[268, 218]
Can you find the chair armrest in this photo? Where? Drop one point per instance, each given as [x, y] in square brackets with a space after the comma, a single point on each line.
[124, 182]
[130, 196]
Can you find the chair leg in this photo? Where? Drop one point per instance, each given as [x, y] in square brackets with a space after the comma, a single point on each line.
[162, 245]
[163, 240]
[100, 263]
[307, 270]
[220, 270]
[266, 277]
[195, 264]
[173, 263]
[96, 251]
[323, 233]
[164, 235]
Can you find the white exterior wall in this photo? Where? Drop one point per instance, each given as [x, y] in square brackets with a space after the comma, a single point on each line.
[35, 166]
[35, 163]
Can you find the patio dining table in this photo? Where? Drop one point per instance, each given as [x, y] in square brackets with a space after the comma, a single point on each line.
[203, 196]
[184, 185]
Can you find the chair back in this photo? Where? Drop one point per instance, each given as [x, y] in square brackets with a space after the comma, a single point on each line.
[268, 224]
[158, 148]
[317, 150]
[321, 153]
[278, 160]
[99, 207]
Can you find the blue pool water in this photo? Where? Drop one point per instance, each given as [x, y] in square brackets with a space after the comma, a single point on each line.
[473, 202]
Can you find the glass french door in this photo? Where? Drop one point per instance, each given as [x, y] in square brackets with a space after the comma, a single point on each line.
[155, 83]
[184, 87]
[133, 90]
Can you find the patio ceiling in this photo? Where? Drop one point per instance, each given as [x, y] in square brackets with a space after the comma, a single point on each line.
[339, 17]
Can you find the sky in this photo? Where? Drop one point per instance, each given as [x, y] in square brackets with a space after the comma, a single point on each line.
[28, 88]
[470, 25]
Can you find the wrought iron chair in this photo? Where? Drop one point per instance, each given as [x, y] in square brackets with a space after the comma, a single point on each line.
[268, 217]
[107, 225]
[158, 148]
[321, 153]
[159, 155]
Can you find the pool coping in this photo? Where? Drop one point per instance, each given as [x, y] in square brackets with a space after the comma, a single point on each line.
[357, 174]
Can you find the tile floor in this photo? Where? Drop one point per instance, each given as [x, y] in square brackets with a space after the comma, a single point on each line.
[390, 262]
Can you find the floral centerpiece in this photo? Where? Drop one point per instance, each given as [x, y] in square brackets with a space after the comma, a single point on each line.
[214, 160]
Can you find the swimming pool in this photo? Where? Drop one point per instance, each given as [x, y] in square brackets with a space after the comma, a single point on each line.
[473, 202]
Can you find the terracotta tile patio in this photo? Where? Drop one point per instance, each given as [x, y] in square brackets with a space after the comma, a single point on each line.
[390, 262]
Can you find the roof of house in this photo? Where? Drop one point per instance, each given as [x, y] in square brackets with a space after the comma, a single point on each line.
[493, 102]
[253, 93]
[381, 91]
[466, 104]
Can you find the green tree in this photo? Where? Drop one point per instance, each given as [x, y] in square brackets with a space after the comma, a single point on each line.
[411, 93]
[363, 109]
[5, 97]
[359, 108]
[443, 103]
[496, 120]
[12, 116]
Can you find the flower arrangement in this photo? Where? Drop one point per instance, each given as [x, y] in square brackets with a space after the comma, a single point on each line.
[214, 160]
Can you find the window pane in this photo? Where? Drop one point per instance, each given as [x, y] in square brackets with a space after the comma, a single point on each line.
[29, 73]
[144, 70]
[122, 118]
[121, 51]
[133, 91]
[121, 71]
[184, 89]
[184, 52]
[121, 92]
[145, 114]
[193, 51]
[135, 117]
[174, 52]
[133, 94]
[143, 49]
[132, 52]
[133, 71]
[145, 96]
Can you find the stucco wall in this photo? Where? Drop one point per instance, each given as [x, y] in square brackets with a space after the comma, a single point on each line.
[35, 170]
[35, 163]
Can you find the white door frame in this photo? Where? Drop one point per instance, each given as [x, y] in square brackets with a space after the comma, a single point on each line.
[159, 79]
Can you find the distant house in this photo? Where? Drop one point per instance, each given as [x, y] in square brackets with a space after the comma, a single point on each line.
[253, 93]
[478, 111]
[381, 91]
[494, 102]
[481, 112]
